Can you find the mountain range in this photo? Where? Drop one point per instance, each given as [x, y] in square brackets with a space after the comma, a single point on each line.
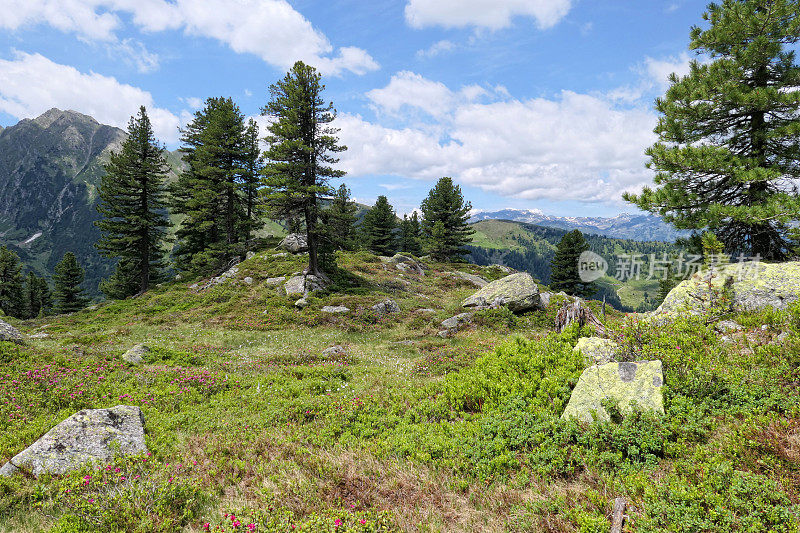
[638, 227]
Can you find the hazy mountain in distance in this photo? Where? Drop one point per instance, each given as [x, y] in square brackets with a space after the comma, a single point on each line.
[640, 227]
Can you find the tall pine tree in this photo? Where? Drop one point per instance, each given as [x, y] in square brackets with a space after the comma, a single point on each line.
[728, 148]
[564, 274]
[67, 279]
[445, 204]
[302, 148]
[250, 184]
[214, 192]
[378, 227]
[11, 280]
[133, 206]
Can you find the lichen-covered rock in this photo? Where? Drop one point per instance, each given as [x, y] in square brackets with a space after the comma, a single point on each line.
[334, 351]
[136, 354]
[303, 284]
[9, 333]
[454, 322]
[472, 278]
[302, 303]
[294, 243]
[518, 291]
[406, 263]
[274, 282]
[386, 307]
[620, 382]
[335, 309]
[753, 285]
[88, 435]
[597, 350]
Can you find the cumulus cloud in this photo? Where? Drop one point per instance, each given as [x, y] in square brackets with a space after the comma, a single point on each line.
[437, 48]
[659, 70]
[270, 29]
[489, 14]
[30, 84]
[572, 147]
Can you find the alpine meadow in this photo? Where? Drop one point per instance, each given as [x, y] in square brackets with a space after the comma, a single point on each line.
[415, 266]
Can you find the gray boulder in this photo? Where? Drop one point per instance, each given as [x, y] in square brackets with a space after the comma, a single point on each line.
[386, 307]
[335, 309]
[274, 282]
[9, 333]
[303, 284]
[619, 382]
[753, 286]
[302, 303]
[248, 280]
[136, 354]
[294, 243]
[454, 322]
[334, 351]
[87, 436]
[518, 291]
[405, 263]
[472, 278]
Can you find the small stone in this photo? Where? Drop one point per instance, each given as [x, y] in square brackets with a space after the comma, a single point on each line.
[386, 307]
[248, 280]
[273, 282]
[251, 254]
[334, 350]
[726, 326]
[294, 243]
[136, 354]
[445, 333]
[454, 322]
[302, 303]
[335, 309]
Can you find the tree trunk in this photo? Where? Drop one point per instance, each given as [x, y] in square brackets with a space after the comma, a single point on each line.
[144, 283]
[576, 311]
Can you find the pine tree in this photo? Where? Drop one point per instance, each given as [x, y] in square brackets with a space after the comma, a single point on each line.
[728, 132]
[564, 267]
[339, 220]
[250, 184]
[379, 227]
[302, 148]
[446, 204]
[216, 189]
[11, 294]
[68, 277]
[33, 295]
[45, 297]
[133, 207]
[411, 235]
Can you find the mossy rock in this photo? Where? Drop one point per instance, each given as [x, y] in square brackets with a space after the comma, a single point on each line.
[597, 350]
[518, 291]
[753, 286]
[621, 383]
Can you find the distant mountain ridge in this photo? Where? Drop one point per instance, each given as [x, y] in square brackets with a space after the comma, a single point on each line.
[639, 227]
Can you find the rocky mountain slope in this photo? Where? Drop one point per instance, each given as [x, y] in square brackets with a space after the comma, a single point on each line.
[624, 226]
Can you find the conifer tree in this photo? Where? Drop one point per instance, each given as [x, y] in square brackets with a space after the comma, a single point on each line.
[379, 227]
[302, 148]
[67, 279]
[11, 294]
[339, 220]
[215, 190]
[446, 204]
[564, 267]
[33, 295]
[45, 297]
[250, 184]
[728, 147]
[411, 235]
[133, 207]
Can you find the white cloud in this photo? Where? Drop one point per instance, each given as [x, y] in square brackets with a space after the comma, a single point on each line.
[573, 147]
[270, 29]
[437, 48]
[193, 102]
[410, 90]
[490, 14]
[658, 70]
[134, 53]
[30, 84]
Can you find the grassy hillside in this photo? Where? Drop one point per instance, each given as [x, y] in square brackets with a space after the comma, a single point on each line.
[530, 248]
[248, 421]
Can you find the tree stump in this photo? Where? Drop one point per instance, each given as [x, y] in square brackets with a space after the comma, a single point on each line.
[577, 311]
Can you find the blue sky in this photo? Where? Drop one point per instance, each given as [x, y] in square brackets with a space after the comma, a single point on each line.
[531, 104]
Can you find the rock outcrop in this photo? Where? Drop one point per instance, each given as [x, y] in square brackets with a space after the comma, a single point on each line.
[386, 307]
[753, 286]
[335, 309]
[9, 333]
[88, 435]
[518, 291]
[303, 284]
[619, 382]
[472, 278]
[295, 243]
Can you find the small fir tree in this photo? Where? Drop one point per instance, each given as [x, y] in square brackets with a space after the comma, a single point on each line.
[445, 203]
[411, 235]
[564, 267]
[339, 220]
[11, 284]
[379, 227]
[67, 279]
